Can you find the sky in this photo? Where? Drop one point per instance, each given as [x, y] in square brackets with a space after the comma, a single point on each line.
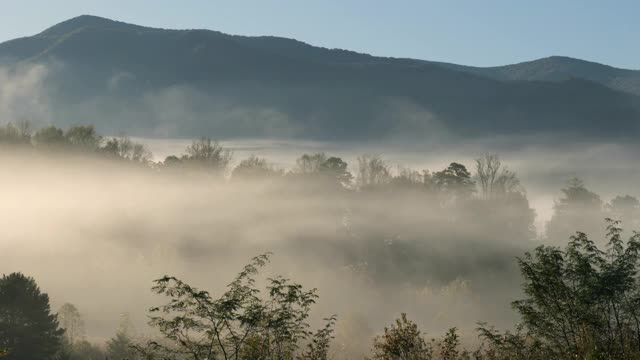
[470, 32]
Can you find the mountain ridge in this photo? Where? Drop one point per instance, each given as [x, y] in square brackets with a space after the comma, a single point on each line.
[317, 91]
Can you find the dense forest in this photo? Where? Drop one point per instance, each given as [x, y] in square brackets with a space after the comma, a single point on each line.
[369, 224]
[147, 80]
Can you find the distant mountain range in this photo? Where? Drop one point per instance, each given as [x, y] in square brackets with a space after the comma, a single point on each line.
[148, 81]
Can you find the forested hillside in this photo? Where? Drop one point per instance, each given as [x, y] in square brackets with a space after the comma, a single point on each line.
[147, 81]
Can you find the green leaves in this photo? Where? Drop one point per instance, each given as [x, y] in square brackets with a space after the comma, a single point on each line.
[583, 301]
[27, 327]
[243, 323]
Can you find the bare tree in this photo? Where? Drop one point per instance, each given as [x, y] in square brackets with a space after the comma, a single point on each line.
[71, 321]
[209, 154]
[372, 171]
[495, 180]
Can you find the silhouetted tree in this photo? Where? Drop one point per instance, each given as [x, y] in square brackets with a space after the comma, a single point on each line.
[495, 180]
[83, 138]
[335, 169]
[254, 167]
[209, 155]
[27, 328]
[310, 163]
[407, 178]
[455, 181]
[126, 149]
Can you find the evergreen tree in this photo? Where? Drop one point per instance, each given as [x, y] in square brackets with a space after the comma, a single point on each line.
[28, 330]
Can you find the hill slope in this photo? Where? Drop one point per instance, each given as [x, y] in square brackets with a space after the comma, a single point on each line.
[560, 68]
[198, 82]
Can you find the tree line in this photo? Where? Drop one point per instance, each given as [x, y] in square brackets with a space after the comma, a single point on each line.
[454, 186]
[580, 299]
[579, 302]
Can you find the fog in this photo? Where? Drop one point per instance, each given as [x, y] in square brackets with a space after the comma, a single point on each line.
[96, 235]
[96, 232]
[544, 163]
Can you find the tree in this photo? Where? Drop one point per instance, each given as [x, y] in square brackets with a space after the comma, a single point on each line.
[71, 321]
[81, 350]
[626, 209]
[121, 347]
[238, 325]
[50, 136]
[254, 167]
[15, 134]
[310, 163]
[455, 181]
[411, 179]
[578, 208]
[126, 149]
[329, 170]
[209, 155]
[583, 302]
[83, 138]
[495, 180]
[335, 169]
[27, 328]
[402, 341]
[372, 171]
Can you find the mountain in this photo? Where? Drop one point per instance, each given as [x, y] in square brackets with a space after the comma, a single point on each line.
[148, 81]
[560, 68]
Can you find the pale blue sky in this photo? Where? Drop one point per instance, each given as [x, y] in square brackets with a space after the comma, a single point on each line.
[473, 32]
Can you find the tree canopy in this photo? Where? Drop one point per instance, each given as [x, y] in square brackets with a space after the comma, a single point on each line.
[28, 329]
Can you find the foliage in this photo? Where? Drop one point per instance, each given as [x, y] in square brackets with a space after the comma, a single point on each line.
[581, 302]
[456, 181]
[27, 327]
[330, 170]
[121, 347]
[49, 137]
[310, 163]
[208, 154]
[254, 167]
[80, 350]
[83, 138]
[239, 324]
[335, 169]
[318, 347]
[13, 134]
[125, 148]
[402, 341]
[578, 208]
[519, 345]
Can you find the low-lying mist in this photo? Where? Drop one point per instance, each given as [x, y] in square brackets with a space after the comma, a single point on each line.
[544, 163]
[95, 233]
[418, 236]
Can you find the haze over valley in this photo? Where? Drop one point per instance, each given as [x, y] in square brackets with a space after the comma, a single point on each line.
[191, 194]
